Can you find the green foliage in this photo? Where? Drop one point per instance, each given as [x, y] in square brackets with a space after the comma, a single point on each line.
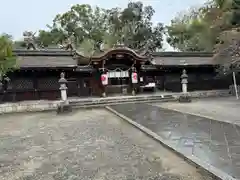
[7, 58]
[190, 32]
[86, 48]
[236, 12]
[19, 45]
[213, 27]
[54, 36]
[200, 29]
[130, 26]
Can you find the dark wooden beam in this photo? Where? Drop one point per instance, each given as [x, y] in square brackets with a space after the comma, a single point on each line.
[183, 54]
[23, 52]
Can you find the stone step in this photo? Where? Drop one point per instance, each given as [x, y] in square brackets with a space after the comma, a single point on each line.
[110, 101]
[33, 106]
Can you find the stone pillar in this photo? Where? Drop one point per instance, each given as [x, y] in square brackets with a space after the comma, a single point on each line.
[185, 97]
[184, 81]
[63, 88]
[184, 87]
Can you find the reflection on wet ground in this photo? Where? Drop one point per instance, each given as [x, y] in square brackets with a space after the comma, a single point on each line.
[214, 142]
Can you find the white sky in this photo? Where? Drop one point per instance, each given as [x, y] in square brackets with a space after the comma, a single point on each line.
[17, 16]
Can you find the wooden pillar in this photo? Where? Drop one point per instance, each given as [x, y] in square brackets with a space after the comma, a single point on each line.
[104, 79]
[134, 80]
[79, 86]
[35, 85]
[164, 81]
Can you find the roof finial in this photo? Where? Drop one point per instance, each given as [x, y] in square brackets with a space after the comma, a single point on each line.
[29, 39]
[69, 43]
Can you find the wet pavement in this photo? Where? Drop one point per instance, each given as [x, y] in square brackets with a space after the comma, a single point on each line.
[214, 142]
[86, 145]
[224, 109]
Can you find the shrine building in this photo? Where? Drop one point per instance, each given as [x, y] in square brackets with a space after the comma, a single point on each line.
[117, 71]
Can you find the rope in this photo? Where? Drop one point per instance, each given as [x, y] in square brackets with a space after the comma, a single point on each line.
[116, 69]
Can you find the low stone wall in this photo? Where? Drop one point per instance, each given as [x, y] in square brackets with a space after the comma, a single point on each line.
[232, 89]
[213, 93]
[52, 105]
[28, 107]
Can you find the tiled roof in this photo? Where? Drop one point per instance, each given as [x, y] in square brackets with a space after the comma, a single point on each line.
[182, 54]
[63, 58]
[45, 58]
[48, 52]
[46, 61]
[168, 61]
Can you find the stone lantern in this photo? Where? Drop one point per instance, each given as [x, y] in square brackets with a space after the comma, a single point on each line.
[7, 81]
[64, 105]
[184, 81]
[63, 87]
[184, 97]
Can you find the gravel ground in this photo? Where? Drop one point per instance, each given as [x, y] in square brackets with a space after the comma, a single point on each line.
[89, 144]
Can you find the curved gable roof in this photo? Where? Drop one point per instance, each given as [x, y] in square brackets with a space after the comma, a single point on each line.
[116, 50]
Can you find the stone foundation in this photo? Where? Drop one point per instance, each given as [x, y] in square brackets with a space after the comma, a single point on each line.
[33, 106]
[63, 108]
[185, 98]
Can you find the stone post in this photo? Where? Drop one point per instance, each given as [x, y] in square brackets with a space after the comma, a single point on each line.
[184, 81]
[184, 97]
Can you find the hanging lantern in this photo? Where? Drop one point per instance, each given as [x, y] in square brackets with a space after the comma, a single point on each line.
[104, 79]
[134, 78]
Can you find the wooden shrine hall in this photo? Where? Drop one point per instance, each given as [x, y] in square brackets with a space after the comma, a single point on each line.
[117, 71]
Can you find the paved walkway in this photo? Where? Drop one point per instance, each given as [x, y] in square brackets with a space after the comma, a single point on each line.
[224, 109]
[213, 142]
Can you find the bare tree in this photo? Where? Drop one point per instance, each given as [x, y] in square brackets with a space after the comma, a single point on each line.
[227, 52]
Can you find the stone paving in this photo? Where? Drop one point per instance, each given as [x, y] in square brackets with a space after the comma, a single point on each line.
[213, 142]
[222, 109]
[84, 145]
